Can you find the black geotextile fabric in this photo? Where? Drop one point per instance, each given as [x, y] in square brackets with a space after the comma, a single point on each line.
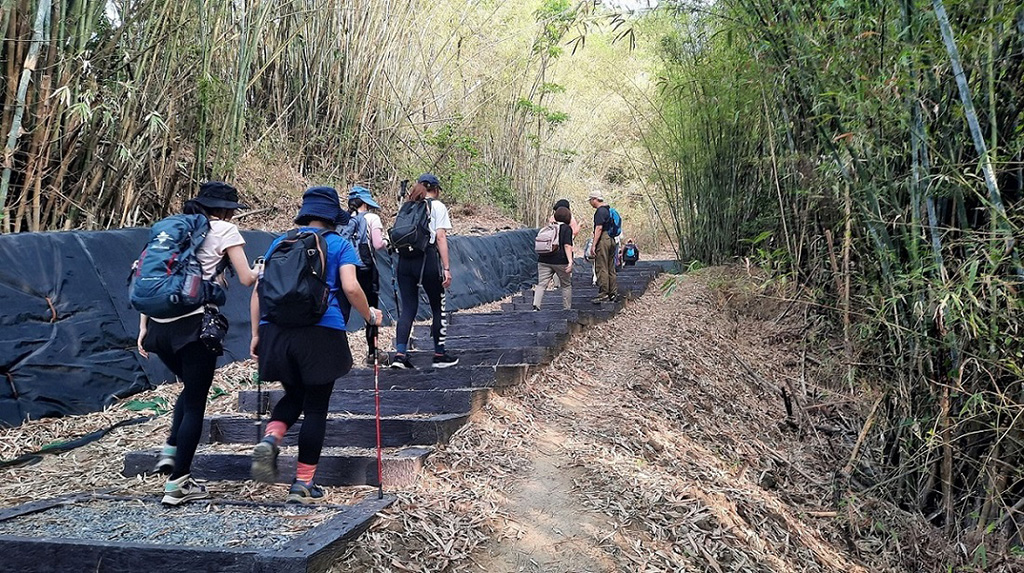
[67, 333]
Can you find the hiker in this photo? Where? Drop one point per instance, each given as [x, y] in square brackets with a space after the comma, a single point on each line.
[177, 341]
[630, 253]
[557, 263]
[573, 223]
[420, 236]
[607, 226]
[302, 347]
[368, 239]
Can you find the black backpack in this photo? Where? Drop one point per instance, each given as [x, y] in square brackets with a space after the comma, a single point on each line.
[293, 290]
[410, 235]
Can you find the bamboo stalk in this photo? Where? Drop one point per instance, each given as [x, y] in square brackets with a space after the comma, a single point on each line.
[38, 30]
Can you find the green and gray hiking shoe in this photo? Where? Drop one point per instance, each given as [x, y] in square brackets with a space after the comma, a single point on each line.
[303, 492]
[264, 461]
[165, 465]
[183, 489]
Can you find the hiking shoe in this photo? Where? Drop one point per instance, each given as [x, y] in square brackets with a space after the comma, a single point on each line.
[382, 357]
[303, 492]
[264, 461]
[401, 362]
[165, 465]
[444, 360]
[183, 489]
[536, 308]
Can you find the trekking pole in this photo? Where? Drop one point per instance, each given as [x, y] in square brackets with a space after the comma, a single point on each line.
[376, 399]
[258, 420]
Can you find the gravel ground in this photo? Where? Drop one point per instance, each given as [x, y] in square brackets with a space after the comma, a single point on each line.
[195, 524]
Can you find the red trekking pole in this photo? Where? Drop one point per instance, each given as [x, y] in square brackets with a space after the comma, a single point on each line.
[376, 399]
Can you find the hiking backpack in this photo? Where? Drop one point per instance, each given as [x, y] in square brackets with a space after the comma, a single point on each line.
[546, 242]
[293, 290]
[410, 235]
[356, 233]
[614, 225]
[629, 254]
[167, 278]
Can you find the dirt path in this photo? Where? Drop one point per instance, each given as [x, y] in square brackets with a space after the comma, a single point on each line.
[664, 450]
[548, 530]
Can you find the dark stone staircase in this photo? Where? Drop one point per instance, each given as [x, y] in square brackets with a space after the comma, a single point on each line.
[420, 410]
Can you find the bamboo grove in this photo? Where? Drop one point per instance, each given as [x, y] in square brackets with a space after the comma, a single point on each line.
[113, 110]
[872, 153]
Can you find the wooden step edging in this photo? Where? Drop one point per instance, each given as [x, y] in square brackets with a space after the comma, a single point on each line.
[355, 467]
[343, 431]
[311, 552]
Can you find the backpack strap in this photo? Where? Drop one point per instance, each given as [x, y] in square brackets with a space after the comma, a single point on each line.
[362, 234]
[196, 237]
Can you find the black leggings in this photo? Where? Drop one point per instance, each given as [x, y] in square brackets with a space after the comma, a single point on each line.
[312, 403]
[369, 281]
[195, 365]
[409, 271]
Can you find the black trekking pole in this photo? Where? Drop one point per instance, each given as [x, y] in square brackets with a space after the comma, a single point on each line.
[258, 421]
[375, 330]
[402, 192]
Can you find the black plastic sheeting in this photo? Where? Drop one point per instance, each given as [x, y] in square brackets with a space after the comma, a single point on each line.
[67, 332]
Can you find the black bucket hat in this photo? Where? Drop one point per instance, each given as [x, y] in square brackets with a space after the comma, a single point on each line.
[218, 195]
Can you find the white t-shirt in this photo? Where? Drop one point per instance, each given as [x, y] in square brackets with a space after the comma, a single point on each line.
[439, 219]
[222, 236]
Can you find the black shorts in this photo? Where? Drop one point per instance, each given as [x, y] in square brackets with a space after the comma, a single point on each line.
[304, 355]
[167, 338]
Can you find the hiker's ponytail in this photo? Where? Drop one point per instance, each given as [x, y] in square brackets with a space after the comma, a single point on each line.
[418, 192]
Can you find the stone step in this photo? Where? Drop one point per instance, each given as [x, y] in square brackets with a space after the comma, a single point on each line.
[423, 359]
[505, 327]
[392, 402]
[596, 312]
[361, 378]
[508, 317]
[496, 338]
[358, 431]
[337, 466]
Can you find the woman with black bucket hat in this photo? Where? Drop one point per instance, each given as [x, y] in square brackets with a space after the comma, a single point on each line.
[176, 341]
[306, 358]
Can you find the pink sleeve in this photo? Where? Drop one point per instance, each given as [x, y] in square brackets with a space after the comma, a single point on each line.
[376, 233]
[376, 238]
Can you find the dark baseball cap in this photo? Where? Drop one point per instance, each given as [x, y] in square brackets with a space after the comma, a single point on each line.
[430, 180]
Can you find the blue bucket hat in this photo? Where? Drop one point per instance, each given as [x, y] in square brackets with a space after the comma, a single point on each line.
[430, 180]
[363, 194]
[320, 203]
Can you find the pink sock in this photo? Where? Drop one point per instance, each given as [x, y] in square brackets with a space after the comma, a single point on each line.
[304, 472]
[276, 430]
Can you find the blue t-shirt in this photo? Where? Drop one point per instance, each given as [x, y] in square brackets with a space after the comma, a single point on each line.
[339, 252]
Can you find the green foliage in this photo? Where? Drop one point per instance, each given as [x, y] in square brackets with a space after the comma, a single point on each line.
[157, 405]
[784, 123]
[468, 176]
